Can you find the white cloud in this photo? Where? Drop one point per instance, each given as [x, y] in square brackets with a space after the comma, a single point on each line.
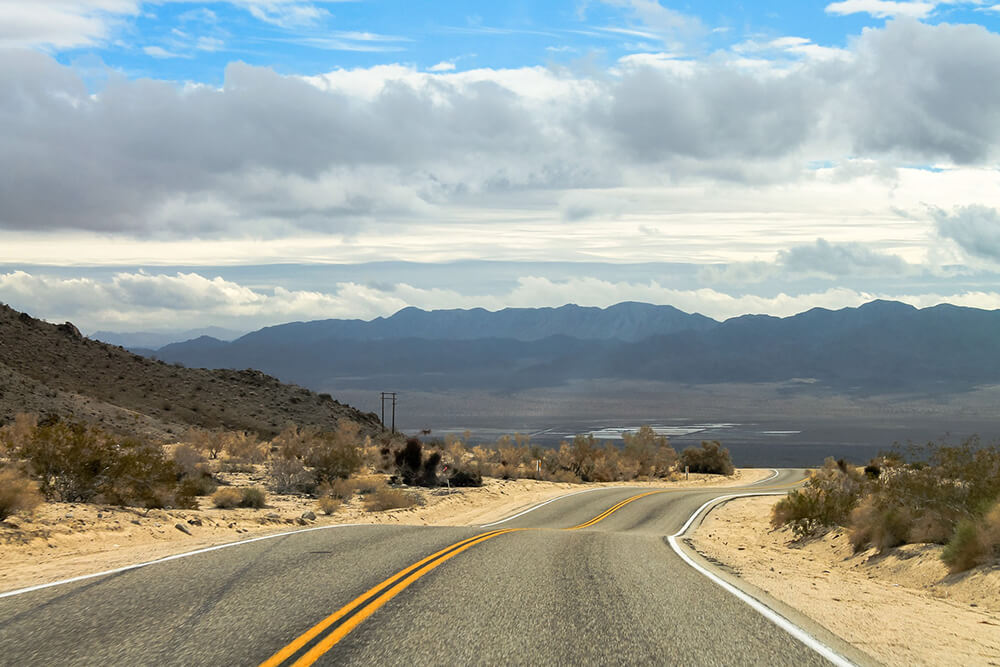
[975, 228]
[160, 52]
[882, 8]
[443, 66]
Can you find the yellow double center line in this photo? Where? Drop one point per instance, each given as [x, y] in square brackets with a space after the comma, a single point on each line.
[614, 508]
[357, 610]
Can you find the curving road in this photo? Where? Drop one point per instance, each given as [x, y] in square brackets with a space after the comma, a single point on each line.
[552, 586]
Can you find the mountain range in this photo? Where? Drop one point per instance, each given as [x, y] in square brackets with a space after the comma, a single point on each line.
[882, 346]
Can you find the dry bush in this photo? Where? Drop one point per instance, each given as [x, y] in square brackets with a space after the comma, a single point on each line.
[711, 458]
[880, 525]
[14, 435]
[212, 442]
[290, 476]
[291, 443]
[827, 499]
[965, 550]
[385, 498]
[77, 462]
[339, 489]
[651, 454]
[244, 446]
[253, 497]
[189, 460]
[18, 493]
[328, 505]
[336, 454]
[975, 541]
[227, 498]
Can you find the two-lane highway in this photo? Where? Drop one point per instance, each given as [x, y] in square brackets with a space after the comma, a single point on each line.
[551, 586]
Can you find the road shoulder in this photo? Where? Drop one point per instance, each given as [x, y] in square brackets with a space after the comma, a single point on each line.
[899, 609]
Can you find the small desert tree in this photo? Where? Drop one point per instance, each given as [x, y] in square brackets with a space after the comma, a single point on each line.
[651, 452]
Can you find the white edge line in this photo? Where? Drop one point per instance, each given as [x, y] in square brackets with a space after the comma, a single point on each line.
[165, 559]
[763, 609]
[774, 473]
[550, 500]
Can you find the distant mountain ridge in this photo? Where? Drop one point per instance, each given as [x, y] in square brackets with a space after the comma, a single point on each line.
[151, 340]
[881, 346]
[627, 321]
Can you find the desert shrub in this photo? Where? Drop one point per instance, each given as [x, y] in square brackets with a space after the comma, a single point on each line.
[244, 446]
[292, 443]
[965, 550]
[651, 454]
[367, 485]
[14, 435]
[76, 462]
[711, 458]
[464, 477]
[213, 442]
[18, 493]
[328, 505]
[879, 524]
[199, 485]
[227, 498]
[336, 454]
[827, 499]
[339, 489]
[386, 498]
[253, 496]
[975, 541]
[189, 460]
[412, 467]
[290, 476]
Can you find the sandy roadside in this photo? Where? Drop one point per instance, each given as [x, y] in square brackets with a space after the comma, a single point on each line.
[63, 540]
[902, 608]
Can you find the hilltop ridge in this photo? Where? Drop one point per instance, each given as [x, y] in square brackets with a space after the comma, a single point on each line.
[54, 370]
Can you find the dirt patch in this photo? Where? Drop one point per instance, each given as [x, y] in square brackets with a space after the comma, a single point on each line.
[62, 540]
[902, 608]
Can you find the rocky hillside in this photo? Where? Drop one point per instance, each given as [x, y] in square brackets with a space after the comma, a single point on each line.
[52, 369]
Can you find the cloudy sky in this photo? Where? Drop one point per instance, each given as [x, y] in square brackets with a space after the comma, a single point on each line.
[174, 164]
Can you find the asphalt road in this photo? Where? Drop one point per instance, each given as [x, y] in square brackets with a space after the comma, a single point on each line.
[527, 592]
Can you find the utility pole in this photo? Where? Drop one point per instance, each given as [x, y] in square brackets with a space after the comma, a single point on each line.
[392, 396]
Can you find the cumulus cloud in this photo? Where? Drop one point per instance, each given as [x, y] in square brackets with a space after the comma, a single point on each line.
[975, 228]
[265, 153]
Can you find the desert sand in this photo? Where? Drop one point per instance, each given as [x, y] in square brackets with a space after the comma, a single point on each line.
[64, 540]
[901, 608]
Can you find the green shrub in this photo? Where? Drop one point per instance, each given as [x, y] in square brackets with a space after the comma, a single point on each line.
[965, 550]
[336, 454]
[76, 462]
[711, 458]
[18, 493]
[827, 499]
